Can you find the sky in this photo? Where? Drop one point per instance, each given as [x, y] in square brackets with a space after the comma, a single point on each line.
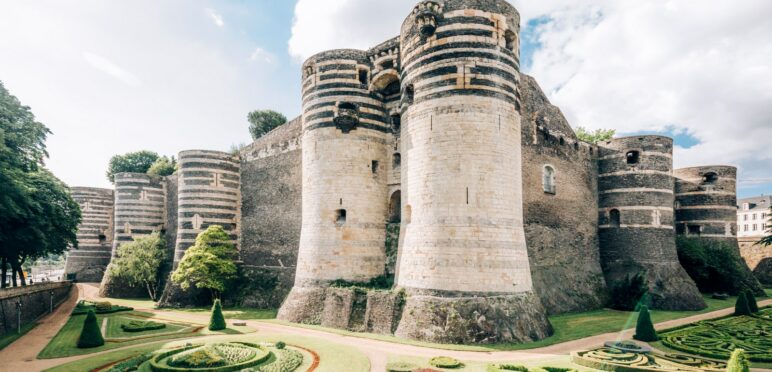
[110, 77]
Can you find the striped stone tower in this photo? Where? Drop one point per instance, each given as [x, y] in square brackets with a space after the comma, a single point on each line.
[208, 194]
[463, 253]
[95, 235]
[139, 211]
[706, 209]
[636, 228]
[344, 204]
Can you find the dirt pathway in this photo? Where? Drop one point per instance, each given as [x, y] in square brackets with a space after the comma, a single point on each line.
[21, 354]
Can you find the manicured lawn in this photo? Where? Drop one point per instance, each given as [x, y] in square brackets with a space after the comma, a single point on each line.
[238, 313]
[9, 338]
[333, 357]
[65, 342]
[567, 327]
[562, 361]
[114, 330]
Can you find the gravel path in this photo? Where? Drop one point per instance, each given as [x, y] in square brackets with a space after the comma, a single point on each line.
[20, 355]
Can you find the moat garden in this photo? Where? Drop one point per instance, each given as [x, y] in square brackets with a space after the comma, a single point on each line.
[102, 334]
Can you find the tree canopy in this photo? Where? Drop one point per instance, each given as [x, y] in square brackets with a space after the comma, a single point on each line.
[163, 166]
[133, 162]
[209, 264]
[264, 121]
[140, 262]
[595, 136]
[38, 216]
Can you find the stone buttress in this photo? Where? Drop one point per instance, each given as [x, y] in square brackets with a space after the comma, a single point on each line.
[635, 195]
[95, 235]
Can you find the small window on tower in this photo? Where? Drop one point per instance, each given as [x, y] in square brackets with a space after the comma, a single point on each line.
[363, 76]
[548, 179]
[633, 157]
[695, 229]
[709, 178]
[614, 218]
[396, 160]
[340, 217]
[511, 39]
[102, 238]
[374, 166]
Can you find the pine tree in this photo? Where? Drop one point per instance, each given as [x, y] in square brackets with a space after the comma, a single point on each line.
[738, 362]
[753, 305]
[644, 329]
[741, 306]
[91, 335]
[217, 321]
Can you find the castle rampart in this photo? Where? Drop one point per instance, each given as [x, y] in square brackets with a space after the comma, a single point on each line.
[95, 235]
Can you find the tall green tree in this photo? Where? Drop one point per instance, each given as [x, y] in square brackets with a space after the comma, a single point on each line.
[738, 362]
[140, 262]
[163, 166]
[209, 264]
[133, 162]
[767, 240]
[264, 121]
[595, 136]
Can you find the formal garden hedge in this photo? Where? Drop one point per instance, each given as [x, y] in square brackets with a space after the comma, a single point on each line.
[141, 326]
[445, 362]
[613, 359]
[720, 337]
[103, 307]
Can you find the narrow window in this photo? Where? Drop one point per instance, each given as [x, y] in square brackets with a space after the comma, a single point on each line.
[467, 195]
[363, 77]
[510, 38]
[695, 229]
[102, 238]
[548, 179]
[387, 65]
[677, 205]
[614, 218]
[374, 166]
[633, 157]
[395, 206]
[576, 146]
[562, 141]
[396, 123]
[346, 106]
[408, 213]
[409, 93]
[340, 217]
[396, 160]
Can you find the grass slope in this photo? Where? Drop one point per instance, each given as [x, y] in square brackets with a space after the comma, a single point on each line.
[9, 338]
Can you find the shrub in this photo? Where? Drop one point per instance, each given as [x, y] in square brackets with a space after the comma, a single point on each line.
[400, 367]
[753, 305]
[738, 362]
[104, 306]
[644, 329]
[141, 326]
[217, 321]
[629, 293]
[444, 362]
[131, 364]
[741, 306]
[510, 367]
[557, 369]
[280, 345]
[90, 335]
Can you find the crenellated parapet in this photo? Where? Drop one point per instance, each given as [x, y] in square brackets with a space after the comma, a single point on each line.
[95, 234]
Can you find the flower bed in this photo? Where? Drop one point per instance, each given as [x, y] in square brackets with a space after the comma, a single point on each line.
[141, 326]
[612, 359]
[223, 357]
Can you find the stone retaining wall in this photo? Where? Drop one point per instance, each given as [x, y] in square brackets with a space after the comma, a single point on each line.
[35, 302]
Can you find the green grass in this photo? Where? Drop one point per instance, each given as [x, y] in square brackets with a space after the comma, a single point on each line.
[64, 343]
[114, 329]
[9, 338]
[333, 357]
[567, 327]
[660, 346]
[233, 313]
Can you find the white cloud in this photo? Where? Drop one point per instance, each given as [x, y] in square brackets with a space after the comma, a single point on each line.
[110, 68]
[216, 17]
[262, 55]
[699, 67]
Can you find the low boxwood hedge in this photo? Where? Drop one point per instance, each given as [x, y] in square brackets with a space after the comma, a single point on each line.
[141, 326]
[159, 363]
[445, 362]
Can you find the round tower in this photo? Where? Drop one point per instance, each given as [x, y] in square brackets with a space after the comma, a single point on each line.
[139, 211]
[208, 193]
[344, 205]
[462, 249]
[95, 235]
[635, 199]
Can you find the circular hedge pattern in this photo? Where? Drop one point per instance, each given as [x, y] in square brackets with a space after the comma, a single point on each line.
[718, 338]
[445, 362]
[613, 359]
[222, 357]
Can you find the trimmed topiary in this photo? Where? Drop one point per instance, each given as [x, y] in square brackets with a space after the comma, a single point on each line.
[644, 328]
[400, 367]
[281, 345]
[217, 321]
[738, 362]
[444, 362]
[753, 305]
[507, 367]
[90, 335]
[741, 306]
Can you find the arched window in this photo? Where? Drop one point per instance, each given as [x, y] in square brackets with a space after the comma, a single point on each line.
[548, 179]
[614, 218]
[633, 157]
[395, 206]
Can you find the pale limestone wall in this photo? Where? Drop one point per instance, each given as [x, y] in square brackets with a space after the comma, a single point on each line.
[339, 173]
[208, 194]
[95, 234]
[753, 253]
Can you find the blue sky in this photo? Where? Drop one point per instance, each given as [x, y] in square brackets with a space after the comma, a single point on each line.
[112, 77]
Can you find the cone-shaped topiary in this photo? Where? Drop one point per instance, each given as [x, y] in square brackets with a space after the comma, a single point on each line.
[217, 321]
[738, 362]
[753, 306]
[741, 306]
[91, 335]
[644, 329]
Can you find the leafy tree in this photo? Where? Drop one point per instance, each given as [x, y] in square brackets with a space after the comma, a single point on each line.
[209, 263]
[22, 138]
[644, 328]
[217, 320]
[264, 121]
[133, 162]
[767, 240]
[741, 306]
[140, 262]
[595, 136]
[738, 362]
[91, 334]
[163, 166]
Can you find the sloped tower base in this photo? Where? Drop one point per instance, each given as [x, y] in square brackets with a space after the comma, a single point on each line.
[474, 320]
[670, 287]
[303, 305]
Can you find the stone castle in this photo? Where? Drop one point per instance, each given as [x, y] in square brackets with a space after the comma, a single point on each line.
[430, 160]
